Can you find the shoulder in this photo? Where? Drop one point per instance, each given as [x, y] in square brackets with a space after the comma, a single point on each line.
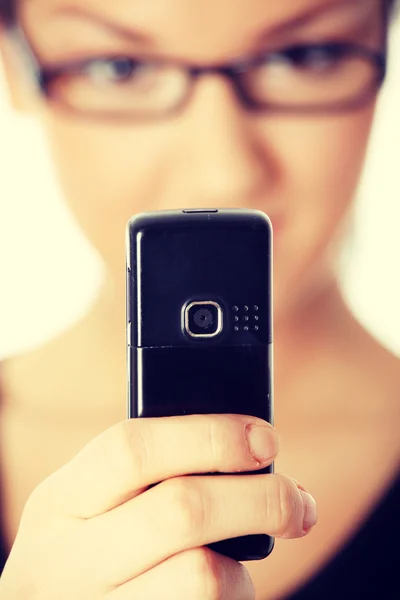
[372, 373]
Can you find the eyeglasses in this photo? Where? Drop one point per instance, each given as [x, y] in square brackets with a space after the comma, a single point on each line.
[303, 78]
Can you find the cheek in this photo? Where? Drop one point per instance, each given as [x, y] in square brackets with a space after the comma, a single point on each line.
[323, 162]
[107, 174]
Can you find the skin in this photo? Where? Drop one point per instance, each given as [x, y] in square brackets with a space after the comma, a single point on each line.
[303, 172]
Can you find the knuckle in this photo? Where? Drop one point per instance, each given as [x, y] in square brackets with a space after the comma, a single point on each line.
[35, 500]
[38, 504]
[216, 437]
[131, 449]
[280, 504]
[206, 573]
[227, 442]
[185, 499]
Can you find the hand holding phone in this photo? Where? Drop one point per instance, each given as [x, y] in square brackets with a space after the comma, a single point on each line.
[94, 528]
[199, 288]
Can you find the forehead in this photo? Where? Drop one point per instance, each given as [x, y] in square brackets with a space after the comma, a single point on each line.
[185, 24]
[202, 14]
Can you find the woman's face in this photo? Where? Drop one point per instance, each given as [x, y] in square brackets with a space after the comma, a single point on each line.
[302, 170]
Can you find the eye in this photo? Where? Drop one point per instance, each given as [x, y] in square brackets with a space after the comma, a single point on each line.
[318, 57]
[116, 70]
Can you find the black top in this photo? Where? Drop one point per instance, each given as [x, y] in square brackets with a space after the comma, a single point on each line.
[367, 567]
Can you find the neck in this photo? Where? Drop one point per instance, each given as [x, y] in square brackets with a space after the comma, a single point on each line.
[298, 335]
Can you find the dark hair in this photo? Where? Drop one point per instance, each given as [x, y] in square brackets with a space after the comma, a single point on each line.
[8, 10]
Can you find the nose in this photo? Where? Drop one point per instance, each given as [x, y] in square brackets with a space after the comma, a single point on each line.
[224, 150]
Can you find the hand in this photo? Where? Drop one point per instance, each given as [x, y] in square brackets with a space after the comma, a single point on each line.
[94, 530]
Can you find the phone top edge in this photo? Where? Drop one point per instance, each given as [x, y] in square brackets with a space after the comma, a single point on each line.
[212, 216]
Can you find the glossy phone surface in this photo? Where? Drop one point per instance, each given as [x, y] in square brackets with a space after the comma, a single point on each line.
[199, 312]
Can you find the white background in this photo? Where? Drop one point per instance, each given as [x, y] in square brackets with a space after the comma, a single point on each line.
[49, 275]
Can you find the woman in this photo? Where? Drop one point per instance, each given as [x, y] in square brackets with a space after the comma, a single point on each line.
[129, 134]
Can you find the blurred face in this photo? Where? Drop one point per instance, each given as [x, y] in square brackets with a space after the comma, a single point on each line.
[301, 169]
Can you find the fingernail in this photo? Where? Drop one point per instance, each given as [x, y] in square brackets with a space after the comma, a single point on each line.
[263, 442]
[310, 511]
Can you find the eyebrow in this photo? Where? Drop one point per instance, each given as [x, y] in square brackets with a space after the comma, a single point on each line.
[129, 33]
[312, 13]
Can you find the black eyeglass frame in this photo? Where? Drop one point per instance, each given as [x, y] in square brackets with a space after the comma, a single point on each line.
[43, 76]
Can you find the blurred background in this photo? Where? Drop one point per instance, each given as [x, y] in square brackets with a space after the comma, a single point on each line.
[49, 275]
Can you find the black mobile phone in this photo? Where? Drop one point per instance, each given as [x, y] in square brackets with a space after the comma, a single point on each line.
[199, 319]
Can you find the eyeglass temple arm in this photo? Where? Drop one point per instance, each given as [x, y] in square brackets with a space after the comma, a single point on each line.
[29, 58]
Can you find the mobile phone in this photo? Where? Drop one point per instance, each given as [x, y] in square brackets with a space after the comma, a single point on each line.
[199, 323]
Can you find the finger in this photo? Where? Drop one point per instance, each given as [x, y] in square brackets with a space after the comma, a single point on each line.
[189, 512]
[198, 574]
[121, 462]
